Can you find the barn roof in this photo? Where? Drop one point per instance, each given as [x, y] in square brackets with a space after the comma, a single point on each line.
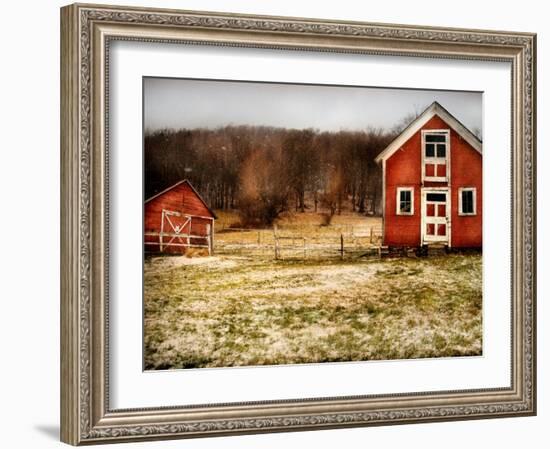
[184, 181]
[434, 109]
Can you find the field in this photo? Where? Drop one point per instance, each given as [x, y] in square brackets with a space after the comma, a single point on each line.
[301, 236]
[236, 310]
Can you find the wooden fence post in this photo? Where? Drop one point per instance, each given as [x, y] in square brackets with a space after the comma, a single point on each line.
[276, 244]
[371, 233]
[161, 235]
[342, 246]
[209, 234]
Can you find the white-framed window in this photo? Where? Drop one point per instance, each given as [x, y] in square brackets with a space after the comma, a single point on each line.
[405, 201]
[435, 155]
[467, 201]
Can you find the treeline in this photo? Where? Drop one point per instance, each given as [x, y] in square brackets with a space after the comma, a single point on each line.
[264, 171]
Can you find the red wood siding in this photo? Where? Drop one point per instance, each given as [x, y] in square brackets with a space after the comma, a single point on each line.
[182, 199]
[403, 169]
[466, 171]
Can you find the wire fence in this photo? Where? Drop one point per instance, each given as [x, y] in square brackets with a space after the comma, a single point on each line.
[301, 242]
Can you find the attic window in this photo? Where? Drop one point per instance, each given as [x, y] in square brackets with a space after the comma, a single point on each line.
[435, 145]
[435, 155]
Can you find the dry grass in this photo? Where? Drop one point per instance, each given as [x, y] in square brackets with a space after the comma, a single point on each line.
[304, 229]
[235, 311]
[307, 220]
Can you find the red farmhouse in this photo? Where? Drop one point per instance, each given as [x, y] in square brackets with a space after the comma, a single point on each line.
[432, 184]
[177, 219]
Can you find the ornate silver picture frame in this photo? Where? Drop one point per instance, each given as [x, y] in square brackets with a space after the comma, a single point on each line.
[87, 32]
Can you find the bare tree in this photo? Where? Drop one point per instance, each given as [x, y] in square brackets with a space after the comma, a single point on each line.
[303, 165]
[264, 190]
[477, 132]
[408, 118]
[332, 196]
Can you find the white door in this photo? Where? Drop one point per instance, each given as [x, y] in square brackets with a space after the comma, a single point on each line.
[435, 216]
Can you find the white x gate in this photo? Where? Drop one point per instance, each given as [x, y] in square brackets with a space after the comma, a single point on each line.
[176, 231]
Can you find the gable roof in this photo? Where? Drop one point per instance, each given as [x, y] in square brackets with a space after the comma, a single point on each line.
[434, 109]
[184, 181]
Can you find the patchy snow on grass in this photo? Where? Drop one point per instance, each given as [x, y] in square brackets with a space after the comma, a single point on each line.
[234, 311]
[212, 262]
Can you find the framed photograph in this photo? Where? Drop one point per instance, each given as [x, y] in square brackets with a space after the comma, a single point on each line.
[280, 224]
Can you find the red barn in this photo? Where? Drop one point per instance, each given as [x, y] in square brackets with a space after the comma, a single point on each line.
[177, 219]
[432, 184]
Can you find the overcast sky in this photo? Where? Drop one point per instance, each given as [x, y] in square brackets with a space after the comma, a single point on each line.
[182, 103]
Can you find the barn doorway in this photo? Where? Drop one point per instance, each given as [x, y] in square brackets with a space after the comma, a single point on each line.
[175, 230]
[435, 216]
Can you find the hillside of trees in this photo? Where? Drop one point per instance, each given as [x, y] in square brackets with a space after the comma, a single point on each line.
[262, 171]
